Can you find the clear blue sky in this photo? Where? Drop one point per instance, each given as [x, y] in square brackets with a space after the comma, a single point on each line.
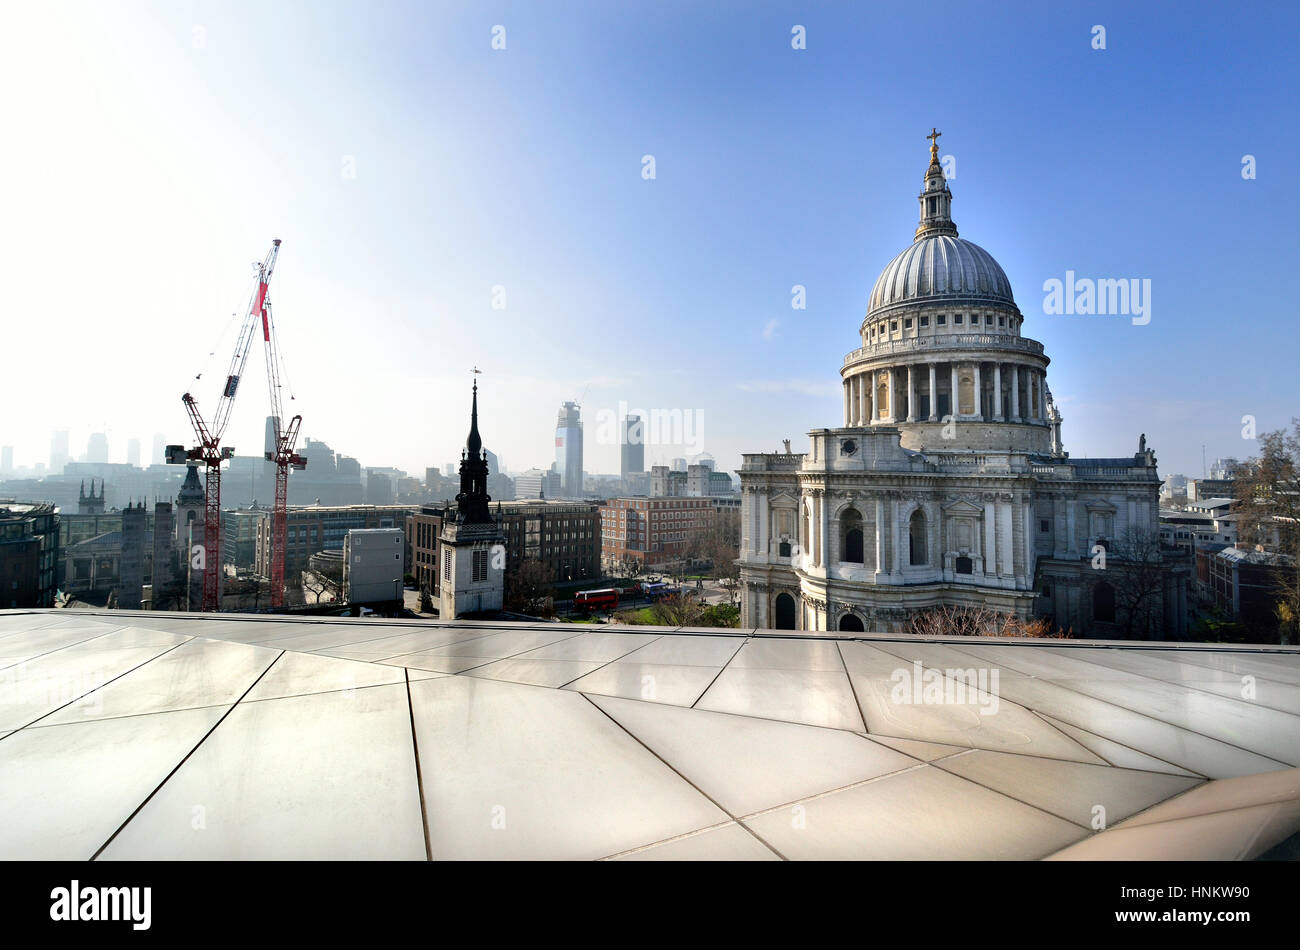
[155, 149]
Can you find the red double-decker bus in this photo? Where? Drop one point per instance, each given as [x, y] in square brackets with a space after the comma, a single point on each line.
[589, 600]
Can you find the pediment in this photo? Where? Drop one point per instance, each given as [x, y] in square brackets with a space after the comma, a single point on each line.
[783, 500]
[962, 507]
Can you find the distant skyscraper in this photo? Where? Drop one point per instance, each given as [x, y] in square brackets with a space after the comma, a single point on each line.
[449, 469]
[58, 452]
[7, 459]
[133, 452]
[631, 447]
[159, 453]
[379, 488]
[568, 449]
[679, 465]
[97, 447]
[320, 458]
[268, 441]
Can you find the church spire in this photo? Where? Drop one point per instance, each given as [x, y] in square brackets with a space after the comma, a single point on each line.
[472, 501]
[474, 444]
[936, 199]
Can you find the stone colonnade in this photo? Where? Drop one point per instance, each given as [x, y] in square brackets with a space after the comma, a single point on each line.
[1009, 392]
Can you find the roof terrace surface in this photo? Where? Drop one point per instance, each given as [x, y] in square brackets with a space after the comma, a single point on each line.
[130, 735]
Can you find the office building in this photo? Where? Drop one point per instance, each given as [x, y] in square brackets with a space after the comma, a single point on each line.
[568, 450]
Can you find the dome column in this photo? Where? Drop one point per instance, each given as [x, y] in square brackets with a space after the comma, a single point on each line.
[952, 393]
[934, 396]
[911, 393]
[979, 392]
[1015, 393]
[997, 392]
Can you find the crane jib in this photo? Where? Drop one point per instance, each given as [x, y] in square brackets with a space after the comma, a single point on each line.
[259, 305]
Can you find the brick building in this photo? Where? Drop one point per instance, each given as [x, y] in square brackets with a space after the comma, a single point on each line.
[655, 531]
[563, 535]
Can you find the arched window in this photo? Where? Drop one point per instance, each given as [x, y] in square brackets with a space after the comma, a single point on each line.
[784, 619]
[963, 565]
[851, 622]
[851, 532]
[1103, 603]
[916, 538]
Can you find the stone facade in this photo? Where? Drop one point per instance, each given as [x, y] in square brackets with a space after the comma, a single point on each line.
[948, 483]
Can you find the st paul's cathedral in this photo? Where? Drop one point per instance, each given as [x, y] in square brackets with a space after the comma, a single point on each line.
[947, 483]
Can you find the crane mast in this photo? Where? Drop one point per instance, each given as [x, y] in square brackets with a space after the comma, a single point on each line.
[284, 457]
[210, 451]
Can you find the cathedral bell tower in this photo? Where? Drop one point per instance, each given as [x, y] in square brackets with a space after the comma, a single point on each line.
[472, 544]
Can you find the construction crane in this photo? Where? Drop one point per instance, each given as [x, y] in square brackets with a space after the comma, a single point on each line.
[282, 455]
[210, 451]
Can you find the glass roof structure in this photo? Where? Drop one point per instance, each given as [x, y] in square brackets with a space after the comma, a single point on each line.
[129, 735]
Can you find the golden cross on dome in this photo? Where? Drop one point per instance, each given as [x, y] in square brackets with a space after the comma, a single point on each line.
[934, 144]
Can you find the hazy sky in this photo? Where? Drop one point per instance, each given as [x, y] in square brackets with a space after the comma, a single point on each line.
[153, 150]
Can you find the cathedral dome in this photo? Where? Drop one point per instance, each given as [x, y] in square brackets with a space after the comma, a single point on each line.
[938, 268]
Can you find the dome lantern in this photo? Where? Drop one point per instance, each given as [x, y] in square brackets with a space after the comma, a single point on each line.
[935, 198]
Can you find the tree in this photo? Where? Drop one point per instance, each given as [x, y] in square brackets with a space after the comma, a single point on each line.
[426, 599]
[171, 596]
[1135, 568]
[528, 587]
[677, 610]
[325, 578]
[1268, 509]
[978, 621]
[246, 592]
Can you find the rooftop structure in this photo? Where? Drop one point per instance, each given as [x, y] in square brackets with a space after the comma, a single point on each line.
[550, 741]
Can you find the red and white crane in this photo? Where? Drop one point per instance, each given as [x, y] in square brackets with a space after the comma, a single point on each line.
[282, 455]
[210, 451]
